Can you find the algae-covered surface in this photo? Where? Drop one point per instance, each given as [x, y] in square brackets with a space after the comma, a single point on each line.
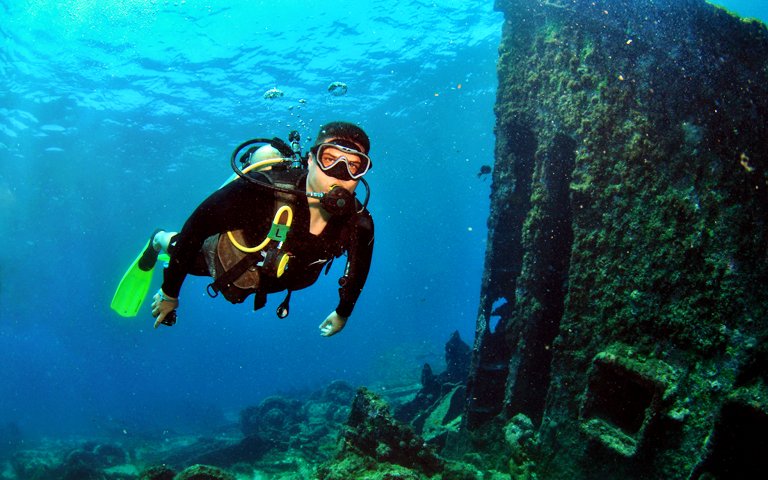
[631, 178]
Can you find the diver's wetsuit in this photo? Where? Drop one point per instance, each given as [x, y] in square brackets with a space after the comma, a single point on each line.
[251, 207]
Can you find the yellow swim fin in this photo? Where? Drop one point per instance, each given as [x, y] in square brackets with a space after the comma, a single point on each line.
[134, 285]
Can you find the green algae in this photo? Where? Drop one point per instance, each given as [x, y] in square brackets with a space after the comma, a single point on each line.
[666, 203]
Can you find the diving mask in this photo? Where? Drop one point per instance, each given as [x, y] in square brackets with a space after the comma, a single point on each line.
[341, 162]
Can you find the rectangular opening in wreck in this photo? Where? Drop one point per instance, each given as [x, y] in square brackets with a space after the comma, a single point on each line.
[618, 397]
[510, 203]
[548, 280]
[498, 311]
[738, 446]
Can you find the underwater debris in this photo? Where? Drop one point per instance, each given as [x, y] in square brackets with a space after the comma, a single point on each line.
[276, 418]
[158, 472]
[337, 89]
[64, 460]
[204, 471]
[372, 432]
[435, 410]
[273, 93]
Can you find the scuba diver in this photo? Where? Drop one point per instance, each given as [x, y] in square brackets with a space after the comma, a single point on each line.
[274, 227]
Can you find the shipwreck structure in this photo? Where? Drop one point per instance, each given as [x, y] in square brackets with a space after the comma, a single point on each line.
[624, 305]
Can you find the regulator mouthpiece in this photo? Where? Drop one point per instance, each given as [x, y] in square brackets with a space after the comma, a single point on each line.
[338, 201]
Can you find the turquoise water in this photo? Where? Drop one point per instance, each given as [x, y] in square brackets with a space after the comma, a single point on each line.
[746, 8]
[118, 117]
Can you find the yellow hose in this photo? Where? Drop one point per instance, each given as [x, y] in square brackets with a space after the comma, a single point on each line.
[264, 163]
[262, 245]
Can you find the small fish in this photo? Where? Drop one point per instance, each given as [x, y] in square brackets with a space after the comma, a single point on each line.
[484, 170]
[273, 93]
[337, 89]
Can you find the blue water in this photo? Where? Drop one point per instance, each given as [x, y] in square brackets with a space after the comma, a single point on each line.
[757, 9]
[118, 117]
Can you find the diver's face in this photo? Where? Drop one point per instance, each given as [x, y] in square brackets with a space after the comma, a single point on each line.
[320, 180]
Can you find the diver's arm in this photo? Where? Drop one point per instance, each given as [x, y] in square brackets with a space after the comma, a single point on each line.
[360, 252]
[332, 325]
[200, 225]
[162, 307]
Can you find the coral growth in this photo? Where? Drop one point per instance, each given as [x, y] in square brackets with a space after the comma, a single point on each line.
[627, 257]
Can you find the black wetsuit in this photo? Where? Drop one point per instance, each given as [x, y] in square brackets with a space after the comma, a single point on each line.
[243, 205]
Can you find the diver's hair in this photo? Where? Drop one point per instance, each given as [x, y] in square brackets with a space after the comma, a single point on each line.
[346, 131]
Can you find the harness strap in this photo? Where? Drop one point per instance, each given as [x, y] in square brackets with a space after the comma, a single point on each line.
[285, 307]
[226, 279]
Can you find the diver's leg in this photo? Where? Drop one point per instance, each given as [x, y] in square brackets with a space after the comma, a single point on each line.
[162, 240]
[159, 243]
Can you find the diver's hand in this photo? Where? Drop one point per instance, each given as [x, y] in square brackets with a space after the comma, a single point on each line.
[162, 307]
[332, 325]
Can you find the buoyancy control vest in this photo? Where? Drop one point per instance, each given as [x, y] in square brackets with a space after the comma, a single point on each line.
[238, 270]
